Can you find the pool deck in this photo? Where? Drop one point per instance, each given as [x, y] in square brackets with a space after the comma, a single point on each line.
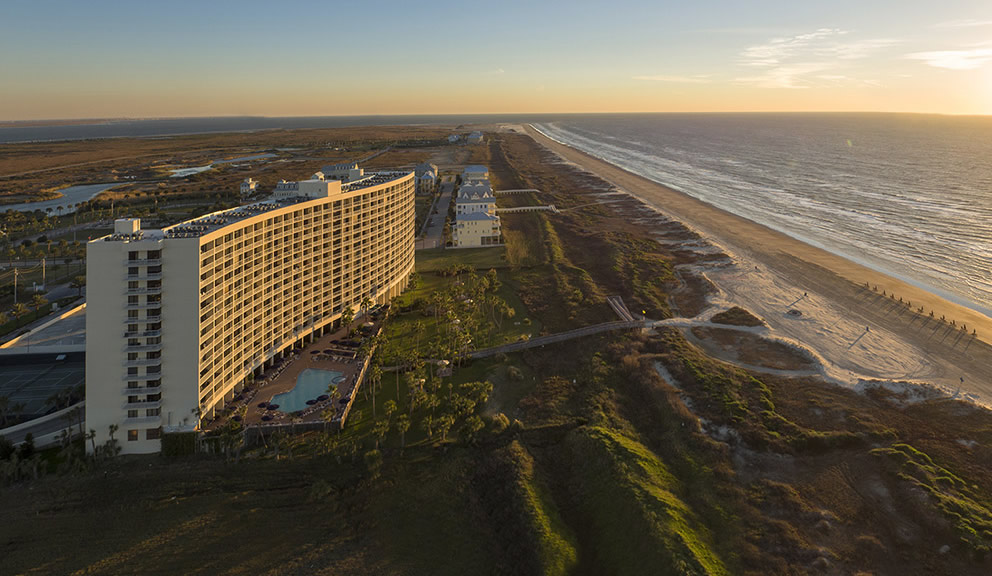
[282, 378]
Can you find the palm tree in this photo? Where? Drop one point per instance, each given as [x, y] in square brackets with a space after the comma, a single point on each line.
[19, 310]
[112, 448]
[379, 431]
[38, 301]
[78, 282]
[366, 304]
[347, 317]
[374, 377]
[389, 408]
[402, 425]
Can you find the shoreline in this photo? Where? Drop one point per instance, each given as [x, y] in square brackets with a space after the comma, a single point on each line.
[957, 299]
[930, 351]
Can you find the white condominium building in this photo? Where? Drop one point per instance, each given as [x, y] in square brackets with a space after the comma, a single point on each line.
[476, 222]
[179, 319]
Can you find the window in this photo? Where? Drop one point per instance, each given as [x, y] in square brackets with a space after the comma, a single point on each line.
[153, 411]
[132, 413]
[153, 434]
[132, 435]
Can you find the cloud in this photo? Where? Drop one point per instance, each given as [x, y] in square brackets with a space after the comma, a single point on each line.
[963, 24]
[955, 59]
[804, 60]
[698, 79]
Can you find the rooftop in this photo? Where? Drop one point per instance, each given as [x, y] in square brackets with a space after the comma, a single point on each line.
[208, 223]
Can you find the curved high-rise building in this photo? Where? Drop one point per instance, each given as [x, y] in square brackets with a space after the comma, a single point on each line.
[178, 319]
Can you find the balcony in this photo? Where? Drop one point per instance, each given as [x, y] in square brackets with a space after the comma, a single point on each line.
[146, 320]
[141, 405]
[145, 334]
[148, 276]
[143, 362]
[143, 348]
[144, 390]
[133, 291]
[144, 262]
[144, 306]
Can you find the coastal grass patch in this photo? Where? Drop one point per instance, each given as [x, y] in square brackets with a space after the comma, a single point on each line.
[736, 316]
[628, 497]
[424, 521]
[523, 234]
[733, 397]
[533, 537]
[958, 500]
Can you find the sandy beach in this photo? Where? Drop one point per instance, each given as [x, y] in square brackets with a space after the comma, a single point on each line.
[857, 332]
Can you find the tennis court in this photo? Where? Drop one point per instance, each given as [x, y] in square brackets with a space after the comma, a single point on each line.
[30, 380]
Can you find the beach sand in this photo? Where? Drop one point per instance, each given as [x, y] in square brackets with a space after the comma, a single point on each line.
[773, 271]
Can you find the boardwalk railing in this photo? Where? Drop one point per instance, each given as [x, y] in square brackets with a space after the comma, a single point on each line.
[559, 337]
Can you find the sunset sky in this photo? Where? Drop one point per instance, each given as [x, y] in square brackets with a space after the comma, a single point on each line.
[101, 59]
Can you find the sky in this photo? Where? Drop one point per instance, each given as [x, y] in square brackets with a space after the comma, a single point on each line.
[136, 59]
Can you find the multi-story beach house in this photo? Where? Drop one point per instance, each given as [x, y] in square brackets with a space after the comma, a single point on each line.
[179, 319]
[475, 173]
[248, 187]
[476, 222]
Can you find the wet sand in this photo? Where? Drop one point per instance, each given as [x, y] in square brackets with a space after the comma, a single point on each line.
[774, 270]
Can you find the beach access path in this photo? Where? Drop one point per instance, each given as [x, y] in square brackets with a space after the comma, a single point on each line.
[774, 271]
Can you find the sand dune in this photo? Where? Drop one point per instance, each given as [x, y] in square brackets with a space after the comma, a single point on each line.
[773, 271]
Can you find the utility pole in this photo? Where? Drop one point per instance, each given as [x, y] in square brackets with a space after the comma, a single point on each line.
[15, 286]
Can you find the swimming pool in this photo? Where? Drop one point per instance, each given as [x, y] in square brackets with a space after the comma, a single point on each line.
[310, 384]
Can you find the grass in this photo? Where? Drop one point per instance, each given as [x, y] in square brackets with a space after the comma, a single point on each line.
[957, 499]
[630, 499]
[483, 259]
[736, 316]
[605, 469]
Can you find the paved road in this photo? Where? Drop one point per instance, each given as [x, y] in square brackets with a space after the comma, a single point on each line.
[38, 430]
[434, 236]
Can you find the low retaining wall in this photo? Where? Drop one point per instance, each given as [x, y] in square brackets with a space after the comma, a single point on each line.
[13, 341]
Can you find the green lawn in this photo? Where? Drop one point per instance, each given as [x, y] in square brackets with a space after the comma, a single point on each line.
[480, 258]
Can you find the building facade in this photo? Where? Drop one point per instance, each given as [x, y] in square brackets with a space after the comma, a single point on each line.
[248, 187]
[476, 230]
[476, 222]
[179, 319]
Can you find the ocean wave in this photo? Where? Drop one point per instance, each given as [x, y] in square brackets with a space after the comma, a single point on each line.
[904, 198]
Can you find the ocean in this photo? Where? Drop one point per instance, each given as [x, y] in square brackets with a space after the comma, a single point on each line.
[908, 195]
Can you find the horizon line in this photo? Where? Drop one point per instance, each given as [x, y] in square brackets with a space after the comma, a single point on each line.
[4, 123]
